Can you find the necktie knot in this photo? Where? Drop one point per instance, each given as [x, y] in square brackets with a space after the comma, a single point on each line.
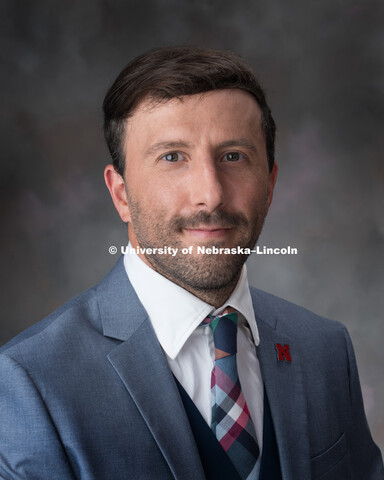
[224, 328]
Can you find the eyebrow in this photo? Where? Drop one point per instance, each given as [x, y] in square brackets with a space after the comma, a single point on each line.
[174, 145]
[239, 142]
[167, 146]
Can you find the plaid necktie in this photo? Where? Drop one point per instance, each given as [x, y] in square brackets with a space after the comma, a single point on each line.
[231, 422]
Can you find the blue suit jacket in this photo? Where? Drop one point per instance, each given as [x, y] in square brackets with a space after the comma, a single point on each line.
[87, 394]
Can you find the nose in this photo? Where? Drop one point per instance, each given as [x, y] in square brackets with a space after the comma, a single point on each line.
[206, 186]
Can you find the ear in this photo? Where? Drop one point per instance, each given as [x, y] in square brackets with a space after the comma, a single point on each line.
[271, 182]
[116, 187]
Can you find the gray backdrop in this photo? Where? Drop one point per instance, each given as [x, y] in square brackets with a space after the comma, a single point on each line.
[321, 63]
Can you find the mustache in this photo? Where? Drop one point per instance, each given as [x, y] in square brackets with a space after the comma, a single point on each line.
[217, 218]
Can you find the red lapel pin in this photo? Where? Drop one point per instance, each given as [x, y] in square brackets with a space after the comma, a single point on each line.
[283, 352]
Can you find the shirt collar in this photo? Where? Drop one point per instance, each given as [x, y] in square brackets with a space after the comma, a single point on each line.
[173, 311]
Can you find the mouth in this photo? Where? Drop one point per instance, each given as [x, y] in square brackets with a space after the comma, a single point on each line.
[205, 232]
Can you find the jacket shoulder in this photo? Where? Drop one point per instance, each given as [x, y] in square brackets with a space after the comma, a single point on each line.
[79, 307]
[81, 311]
[289, 317]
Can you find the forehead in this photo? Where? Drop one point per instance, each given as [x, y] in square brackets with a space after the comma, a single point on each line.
[214, 116]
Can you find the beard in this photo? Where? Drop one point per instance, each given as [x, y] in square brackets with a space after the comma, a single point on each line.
[196, 272]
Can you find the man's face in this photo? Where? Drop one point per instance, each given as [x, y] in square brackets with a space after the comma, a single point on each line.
[197, 175]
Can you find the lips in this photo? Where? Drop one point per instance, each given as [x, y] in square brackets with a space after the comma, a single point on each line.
[210, 228]
[208, 232]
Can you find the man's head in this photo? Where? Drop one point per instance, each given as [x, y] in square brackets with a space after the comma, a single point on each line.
[197, 171]
[165, 73]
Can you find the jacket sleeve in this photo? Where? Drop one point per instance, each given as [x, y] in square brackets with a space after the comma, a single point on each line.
[30, 448]
[365, 457]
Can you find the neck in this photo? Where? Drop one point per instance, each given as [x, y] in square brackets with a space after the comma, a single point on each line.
[214, 297]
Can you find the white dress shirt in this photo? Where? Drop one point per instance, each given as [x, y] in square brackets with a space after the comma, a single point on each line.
[176, 316]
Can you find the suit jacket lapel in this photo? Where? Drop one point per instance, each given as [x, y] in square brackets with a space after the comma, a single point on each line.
[283, 382]
[143, 368]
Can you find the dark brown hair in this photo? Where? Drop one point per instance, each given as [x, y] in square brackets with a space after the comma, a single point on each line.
[165, 73]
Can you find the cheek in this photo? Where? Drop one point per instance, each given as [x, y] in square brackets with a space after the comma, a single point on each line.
[249, 195]
[166, 196]
[158, 204]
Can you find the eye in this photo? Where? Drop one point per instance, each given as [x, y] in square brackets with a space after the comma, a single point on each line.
[233, 156]
[172, 157]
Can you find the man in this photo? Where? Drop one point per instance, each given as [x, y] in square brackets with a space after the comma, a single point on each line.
[172, 367]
